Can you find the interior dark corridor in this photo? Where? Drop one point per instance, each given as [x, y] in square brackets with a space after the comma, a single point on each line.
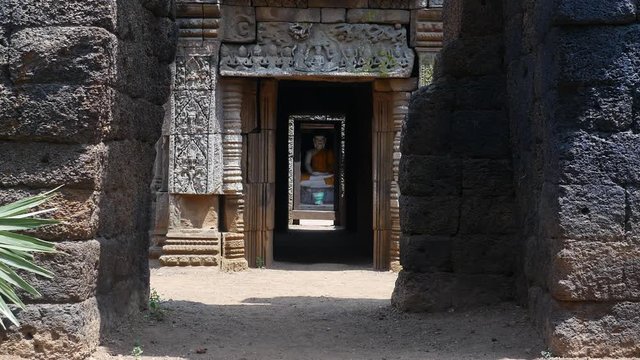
[351, 239]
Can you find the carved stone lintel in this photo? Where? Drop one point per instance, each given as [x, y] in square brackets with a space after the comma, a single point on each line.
[290, 49]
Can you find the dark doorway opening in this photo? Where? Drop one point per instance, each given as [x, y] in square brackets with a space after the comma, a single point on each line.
[352, 240]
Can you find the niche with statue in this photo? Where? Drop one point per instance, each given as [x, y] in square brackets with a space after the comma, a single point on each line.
[316, 171]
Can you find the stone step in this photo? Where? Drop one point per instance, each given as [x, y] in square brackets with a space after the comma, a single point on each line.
[191, 242]
[189, 260]
[190, 249]
[194, 235]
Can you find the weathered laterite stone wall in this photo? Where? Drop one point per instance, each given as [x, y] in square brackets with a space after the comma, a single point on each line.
[570, 71]
[573, 83]
[457, 204]
[82, 84]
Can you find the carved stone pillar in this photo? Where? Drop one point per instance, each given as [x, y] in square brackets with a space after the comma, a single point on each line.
[399, 113]
[260, 188]
[390, 106]
[382, 178]
[195, 141]
[233, 255]
[426, 38]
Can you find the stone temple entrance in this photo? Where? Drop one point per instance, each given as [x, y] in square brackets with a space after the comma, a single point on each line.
[223, 177]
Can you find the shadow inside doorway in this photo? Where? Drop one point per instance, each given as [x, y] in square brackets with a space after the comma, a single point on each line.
[318, 246]
[351, 240]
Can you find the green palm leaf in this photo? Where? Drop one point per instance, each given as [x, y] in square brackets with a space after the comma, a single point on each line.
[16, 250]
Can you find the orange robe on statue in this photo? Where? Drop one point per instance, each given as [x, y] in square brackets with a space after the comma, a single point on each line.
[322, 162]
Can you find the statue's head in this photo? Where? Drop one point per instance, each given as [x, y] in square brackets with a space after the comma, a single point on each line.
[319, 141]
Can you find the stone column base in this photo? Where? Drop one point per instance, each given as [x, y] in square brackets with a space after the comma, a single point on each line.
[191, 248]
[233, 265]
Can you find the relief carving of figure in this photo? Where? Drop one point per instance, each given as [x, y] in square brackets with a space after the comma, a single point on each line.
[272, 57]
[348, 60]
[257, 59]
[243, 57]
[314, 58]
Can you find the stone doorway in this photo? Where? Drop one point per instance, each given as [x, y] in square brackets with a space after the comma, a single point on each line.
[221, 135]
[312, 235]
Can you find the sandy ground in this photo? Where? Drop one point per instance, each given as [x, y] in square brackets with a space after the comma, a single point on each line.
[317, 311]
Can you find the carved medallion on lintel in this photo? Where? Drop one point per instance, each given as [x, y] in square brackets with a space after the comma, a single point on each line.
[239, 24]
[295, 49]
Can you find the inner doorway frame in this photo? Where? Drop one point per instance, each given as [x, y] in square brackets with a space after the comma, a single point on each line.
[390, 107]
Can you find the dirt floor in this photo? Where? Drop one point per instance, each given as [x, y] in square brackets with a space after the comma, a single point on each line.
[317, 311]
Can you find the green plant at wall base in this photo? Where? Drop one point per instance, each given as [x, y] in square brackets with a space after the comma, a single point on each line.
[546, 354]
[16, 250]
[156, 312]
[137, 350]
[259, 262]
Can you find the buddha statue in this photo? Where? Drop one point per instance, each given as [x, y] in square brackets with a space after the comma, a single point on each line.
[319, 164]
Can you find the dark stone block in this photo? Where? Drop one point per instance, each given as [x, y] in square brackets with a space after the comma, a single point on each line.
[73, 55]
[123, 281]
[584, 212]
[422, 253]
[595, 330]
[487, 177]
[434, 215]
[129, 209]
[77, 264]
[37, 13]
[54, 331]
[135, 119]
[598, 159]
[39, 166]
[583, 12]
[602, 108]
[140, 75]
[430, 175]
[59, 114]
[472, 18]
[598, 55]
[474, 56]
[124, 171]
[428, 126]
[429, 292]
[481, 134]
[487, 215]
[596, 271]
[76, 209]
[481, 93]
[484, 254]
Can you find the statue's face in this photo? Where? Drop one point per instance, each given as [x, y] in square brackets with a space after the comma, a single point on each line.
[319, 142]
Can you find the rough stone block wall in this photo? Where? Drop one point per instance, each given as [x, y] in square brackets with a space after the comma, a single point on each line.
[82, 84]
[457, 205]
[573, 89]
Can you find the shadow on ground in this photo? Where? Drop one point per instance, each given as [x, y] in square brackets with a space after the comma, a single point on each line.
[305, 327]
